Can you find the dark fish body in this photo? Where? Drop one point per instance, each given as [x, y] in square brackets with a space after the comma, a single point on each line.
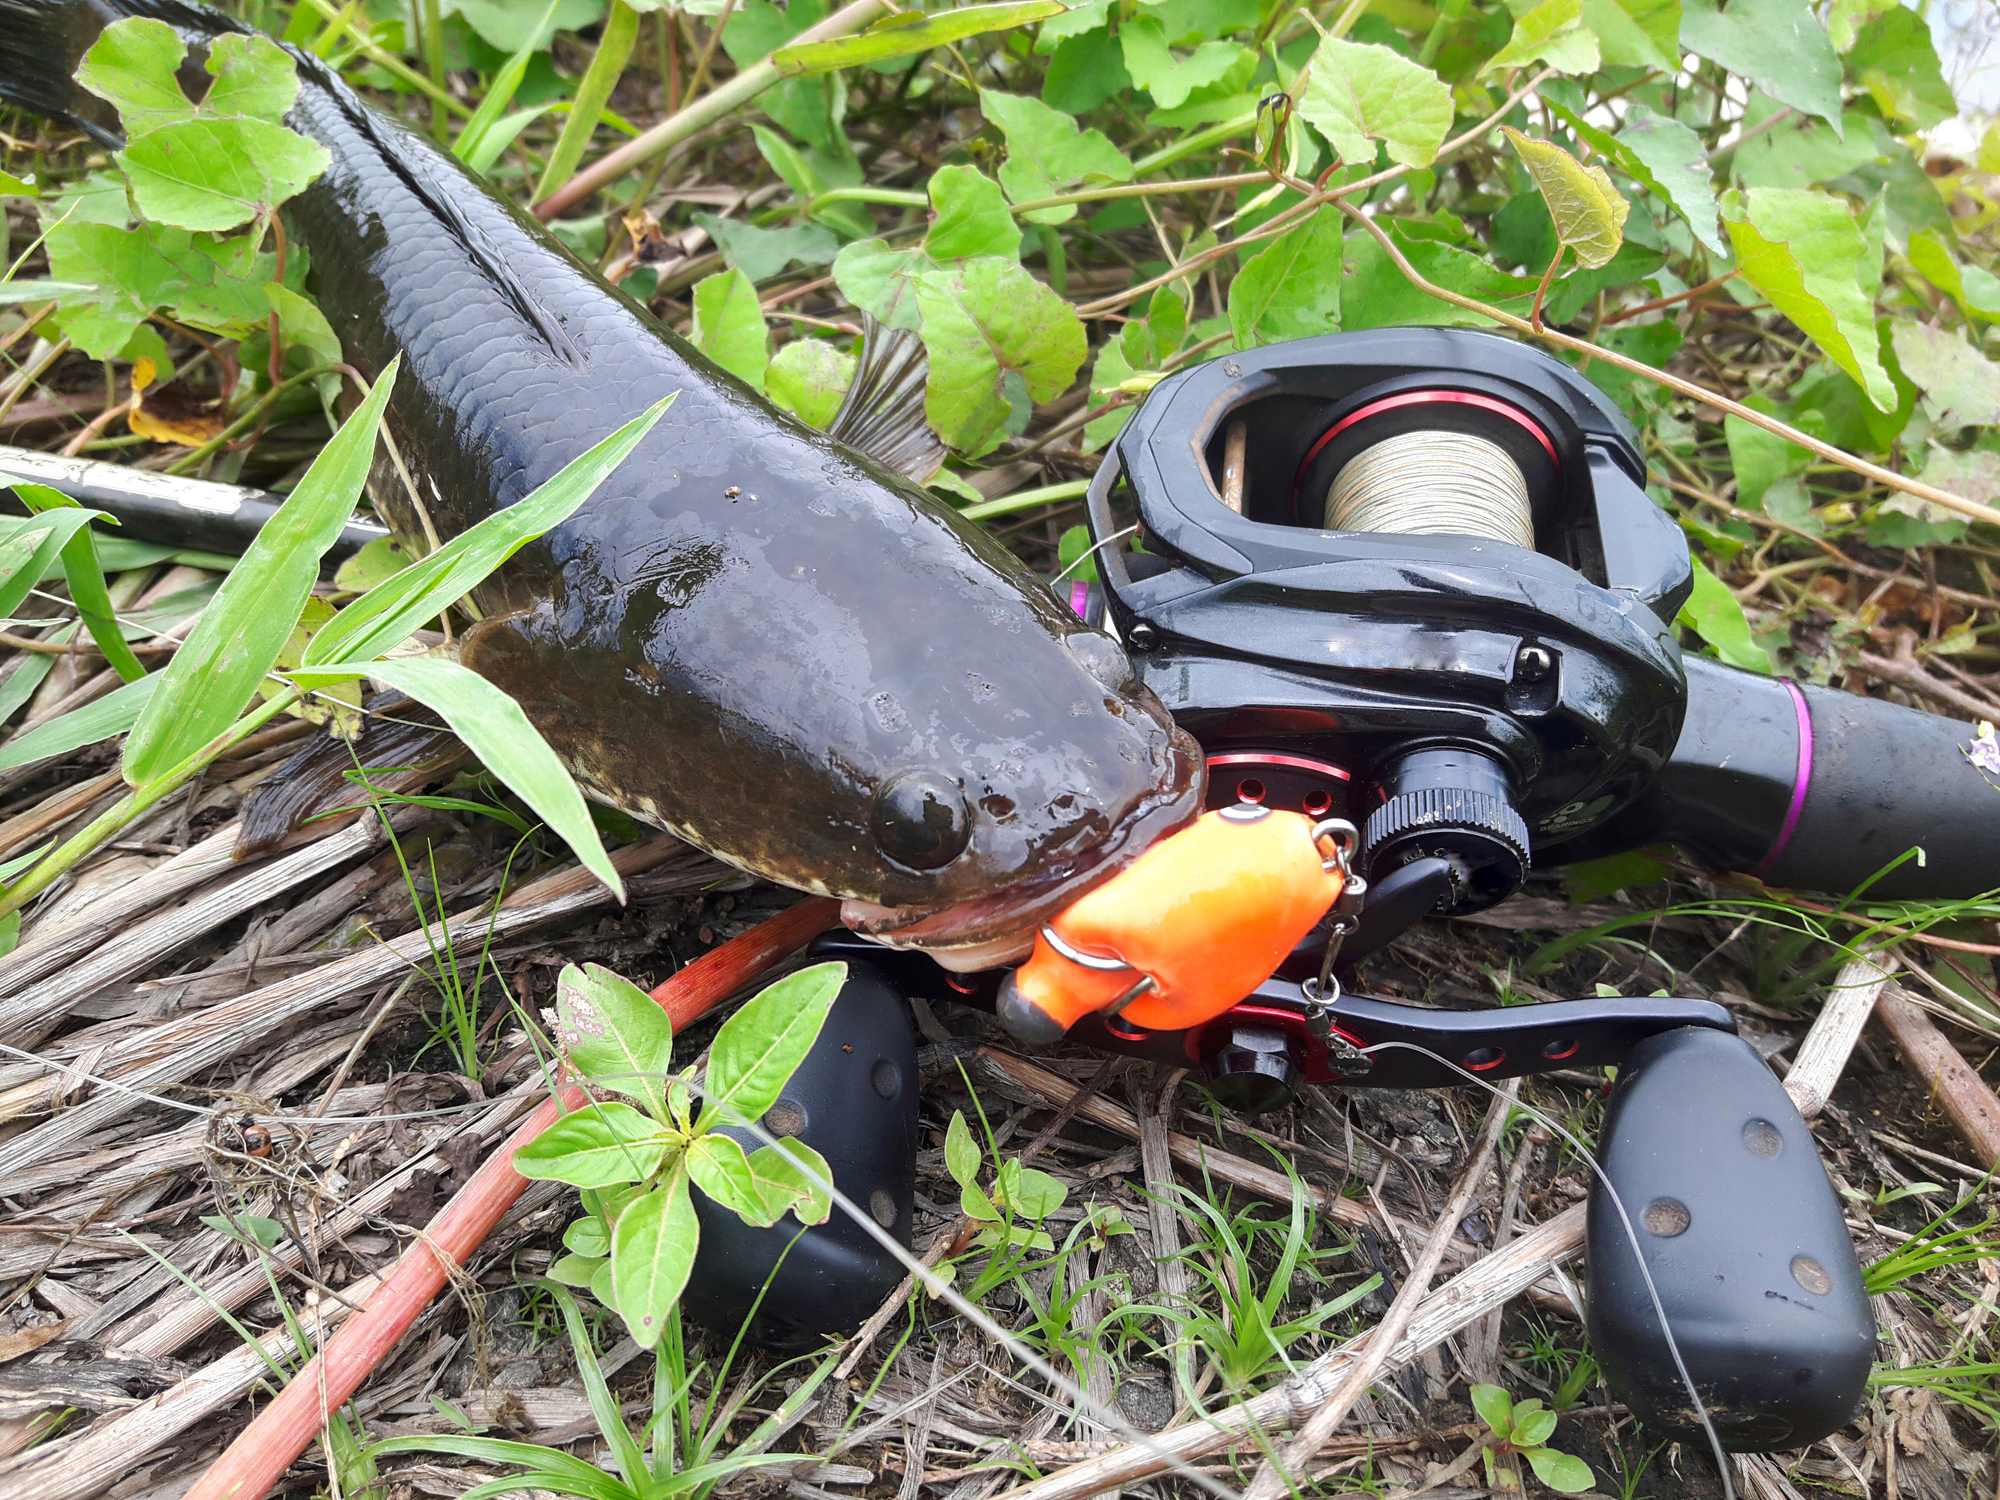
[752, 635]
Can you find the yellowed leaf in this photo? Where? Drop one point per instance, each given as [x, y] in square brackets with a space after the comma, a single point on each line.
[1588, 211]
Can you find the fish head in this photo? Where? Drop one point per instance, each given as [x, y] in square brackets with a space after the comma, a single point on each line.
[1061, 768]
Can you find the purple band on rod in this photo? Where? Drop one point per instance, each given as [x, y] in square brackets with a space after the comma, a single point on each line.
[1079, 596]
[1800, 778]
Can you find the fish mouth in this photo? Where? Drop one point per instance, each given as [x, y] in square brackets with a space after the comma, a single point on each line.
[988, 931]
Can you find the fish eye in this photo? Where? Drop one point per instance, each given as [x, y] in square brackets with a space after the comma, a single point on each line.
[920, 820]
[1103, 659]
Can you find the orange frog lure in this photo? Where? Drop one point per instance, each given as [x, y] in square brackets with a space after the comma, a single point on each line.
[1195, 924]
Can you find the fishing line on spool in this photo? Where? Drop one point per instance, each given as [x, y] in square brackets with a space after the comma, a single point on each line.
[1433, 482]
[1631, 1234]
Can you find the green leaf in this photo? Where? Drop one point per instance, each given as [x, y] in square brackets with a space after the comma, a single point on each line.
[510, 26]
[1776, 44]
[237, 640]
[1079, 20]
[1713, 614]
[498, 733]
[809, 378]
[254, 78]
[759, 1048]
[1377, 294]
[391, 612]
[1357, 94]
[1290, 290]
[1977, 291]
[975, 1204]
[1553, 32]
[376, 563]
[882, 281]
[1589, 212]
[30, 552]
[86, 583]
[18, 187]
[130, 273]
[800, 1170]
[972, 217]
[1894, 60]
[1029, 1193]
[615, 1034]
[216, 174]
[1661, 155]
[961, 1153]
[1561, 1471]
[1961, 386]
[1759, 458]
[909, 32]
[1047, 153]
[1172, 80]
[652, 1251]
[131, 64]
[1495, 1407]
[599, 1145]
[577, 1270]
[984, 322]
[759, 1188]
[762, 253]
[1637, 33]
[1804, 252]
[471, 147]
[729, 326]
[1532, 1425]
[1592, 879]
[588, 1236]
[114, 713]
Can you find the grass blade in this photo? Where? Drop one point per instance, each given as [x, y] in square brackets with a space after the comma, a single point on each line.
[87, 588]
[388, 614]
[621, 30]
[499, 734]
[472, 139]
[114, 713]
[237, 641]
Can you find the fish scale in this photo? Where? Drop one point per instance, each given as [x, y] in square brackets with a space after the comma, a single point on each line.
[699, 641]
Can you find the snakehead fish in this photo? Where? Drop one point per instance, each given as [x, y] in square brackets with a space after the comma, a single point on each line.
[752, 635]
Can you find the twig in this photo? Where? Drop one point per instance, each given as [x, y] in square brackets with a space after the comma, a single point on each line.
[1953, 1082]
[1823, 1054]
[1272, 1479]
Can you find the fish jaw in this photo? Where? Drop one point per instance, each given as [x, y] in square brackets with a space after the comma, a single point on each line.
[999, 929]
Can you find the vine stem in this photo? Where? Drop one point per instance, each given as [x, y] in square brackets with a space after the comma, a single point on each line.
[1278, 223]
[1971, 509]
[107, 824]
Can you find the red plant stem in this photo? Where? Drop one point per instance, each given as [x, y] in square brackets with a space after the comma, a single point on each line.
[698, 988]
[286, 1428]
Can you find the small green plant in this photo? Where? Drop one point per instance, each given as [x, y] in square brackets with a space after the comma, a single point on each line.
[636, 1166]
[1245, 1336]
[1629, 1473]
[1570, 1371]
[643, 1473]
[1937, 1244]
[1010, 1212]
[1524, 1428]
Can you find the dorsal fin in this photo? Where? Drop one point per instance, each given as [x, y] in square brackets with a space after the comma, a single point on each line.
[883, 415]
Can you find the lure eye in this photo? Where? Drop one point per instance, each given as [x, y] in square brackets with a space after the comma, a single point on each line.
[920, 820]
[1102, 659]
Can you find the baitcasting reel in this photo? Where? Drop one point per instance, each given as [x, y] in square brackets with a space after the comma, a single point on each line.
[1411, 579]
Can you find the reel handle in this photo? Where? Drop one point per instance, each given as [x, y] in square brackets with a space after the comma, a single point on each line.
[1746, 1244]
[1813, 787]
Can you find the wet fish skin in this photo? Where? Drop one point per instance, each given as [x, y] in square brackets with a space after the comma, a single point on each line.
[751, 635]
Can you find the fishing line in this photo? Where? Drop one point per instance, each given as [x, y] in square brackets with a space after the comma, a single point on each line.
[1631, 1234]
[1432, 483]
[1085, 556]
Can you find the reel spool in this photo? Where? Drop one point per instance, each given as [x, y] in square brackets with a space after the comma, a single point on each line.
[1419, 460]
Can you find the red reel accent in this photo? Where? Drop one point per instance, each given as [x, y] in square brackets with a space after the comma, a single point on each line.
[1289, 1021]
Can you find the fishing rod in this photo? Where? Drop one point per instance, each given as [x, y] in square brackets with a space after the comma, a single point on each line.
[196, 515]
